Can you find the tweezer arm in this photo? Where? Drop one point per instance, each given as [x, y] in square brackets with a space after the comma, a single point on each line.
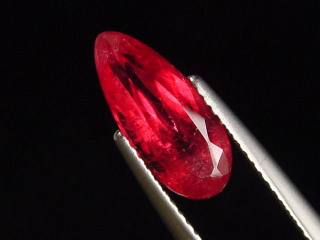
[173, 219]
[300, 210]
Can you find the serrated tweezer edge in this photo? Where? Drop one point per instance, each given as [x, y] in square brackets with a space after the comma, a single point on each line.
[300, 210]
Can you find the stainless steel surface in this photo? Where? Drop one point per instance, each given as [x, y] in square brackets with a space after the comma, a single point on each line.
[300, 210]
[174, 220]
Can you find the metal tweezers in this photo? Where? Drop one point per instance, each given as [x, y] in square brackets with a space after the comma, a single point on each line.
[300, 210]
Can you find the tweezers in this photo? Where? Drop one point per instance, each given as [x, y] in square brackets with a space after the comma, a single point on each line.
[300, 210]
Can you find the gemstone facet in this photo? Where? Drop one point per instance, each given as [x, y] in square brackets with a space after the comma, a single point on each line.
[163, 116]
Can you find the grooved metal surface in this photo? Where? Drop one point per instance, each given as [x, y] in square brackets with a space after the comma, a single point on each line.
[298, 207]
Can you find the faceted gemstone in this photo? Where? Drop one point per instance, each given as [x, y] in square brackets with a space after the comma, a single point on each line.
[163, 116]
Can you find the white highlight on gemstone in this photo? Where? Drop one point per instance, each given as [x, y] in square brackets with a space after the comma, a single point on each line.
[215, 151]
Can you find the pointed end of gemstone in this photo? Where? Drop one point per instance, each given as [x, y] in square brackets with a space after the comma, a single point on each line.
[103, 48]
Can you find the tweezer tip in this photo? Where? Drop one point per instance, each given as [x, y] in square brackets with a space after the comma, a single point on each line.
[117, 135]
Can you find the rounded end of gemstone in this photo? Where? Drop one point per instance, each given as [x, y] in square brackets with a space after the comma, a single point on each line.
[163, 117]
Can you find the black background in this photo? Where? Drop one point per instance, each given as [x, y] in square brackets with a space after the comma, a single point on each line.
[63, 177]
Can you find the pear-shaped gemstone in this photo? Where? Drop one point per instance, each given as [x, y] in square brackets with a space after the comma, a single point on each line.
[163, 116]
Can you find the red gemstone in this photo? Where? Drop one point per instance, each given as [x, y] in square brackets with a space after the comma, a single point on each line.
[163, 116]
